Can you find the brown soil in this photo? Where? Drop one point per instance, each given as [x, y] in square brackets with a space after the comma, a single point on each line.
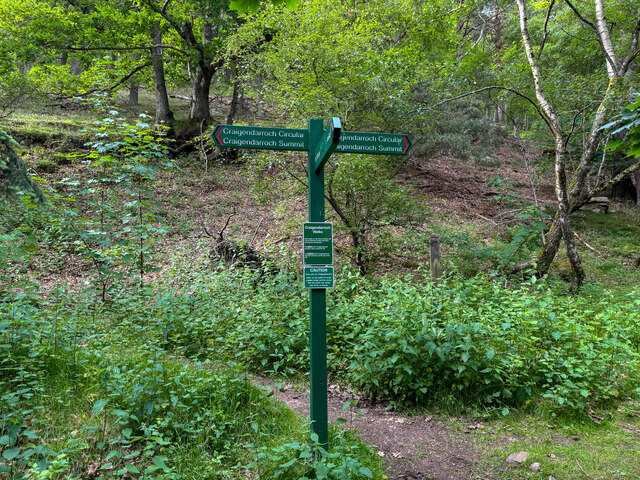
[414, 448]
[463, 187]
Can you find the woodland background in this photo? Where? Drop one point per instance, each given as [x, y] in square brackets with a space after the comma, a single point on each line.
[146, 276]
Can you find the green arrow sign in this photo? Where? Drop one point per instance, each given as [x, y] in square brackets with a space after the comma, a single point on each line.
[327, 143]
[374, 143]
[240, 136]
[263, 138]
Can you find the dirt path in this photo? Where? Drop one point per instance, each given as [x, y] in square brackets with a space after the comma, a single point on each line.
[414, 448]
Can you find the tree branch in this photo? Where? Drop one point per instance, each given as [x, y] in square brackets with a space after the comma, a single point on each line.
[545, 31]
[579, 15]
[611, 65]
[602, 187]
[117, 49]
[633, 51]
[115, 85]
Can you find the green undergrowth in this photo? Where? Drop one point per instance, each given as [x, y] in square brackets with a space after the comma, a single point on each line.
[90, 386]
[36, 126]
[90, 391]
[408, 341]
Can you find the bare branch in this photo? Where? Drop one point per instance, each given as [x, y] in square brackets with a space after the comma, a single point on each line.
[163, 13]
[579, 15]
[164, 6]
[480, 37]
[545, 31]
[115, 85]
[586, 244]
[227, 224]
[573, 122]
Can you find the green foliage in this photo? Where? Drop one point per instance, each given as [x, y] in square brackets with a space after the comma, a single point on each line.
[392, 338]
[243, 6]
[462, 129]
[304, 461]
[369, 203]
[627, 122]
[88, 387]
[117, 230]
[305, 66]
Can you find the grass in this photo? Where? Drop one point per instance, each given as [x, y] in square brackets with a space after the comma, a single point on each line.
[614, 236]
[567, 448]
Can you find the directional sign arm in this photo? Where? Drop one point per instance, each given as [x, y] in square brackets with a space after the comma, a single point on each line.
[374, 143]
[260, 138]
[327, 144]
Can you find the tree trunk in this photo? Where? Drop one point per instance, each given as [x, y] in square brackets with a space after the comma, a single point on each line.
[164, 115]
[231, 154]
[235, 101]
[636, 181]
[201, 81]
[133, 93]
[563, 219]
[260, 96]
[561, 227]
[200, 84]
[499, 118]
[75, 69]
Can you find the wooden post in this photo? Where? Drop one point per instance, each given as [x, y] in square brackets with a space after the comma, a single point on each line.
[434, 240]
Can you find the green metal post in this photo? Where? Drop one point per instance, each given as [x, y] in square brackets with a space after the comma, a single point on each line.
[317, 300]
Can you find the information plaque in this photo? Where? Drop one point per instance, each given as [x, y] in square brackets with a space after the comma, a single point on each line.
[318, 277]
[317, 243]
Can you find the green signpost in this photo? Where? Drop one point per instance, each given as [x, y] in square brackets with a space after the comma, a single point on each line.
[317, 234]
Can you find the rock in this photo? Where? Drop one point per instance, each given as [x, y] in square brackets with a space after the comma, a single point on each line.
[535, 466]
[519, 457]
[597, 205]
[551, 477]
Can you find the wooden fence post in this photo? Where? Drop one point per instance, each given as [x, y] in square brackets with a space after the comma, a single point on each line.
[434, 240]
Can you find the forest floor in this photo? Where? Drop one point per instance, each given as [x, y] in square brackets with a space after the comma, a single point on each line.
[418, 447]
[421, 446]
[442, 447]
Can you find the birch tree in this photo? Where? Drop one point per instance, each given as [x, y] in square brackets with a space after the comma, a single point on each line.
[618, 59]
